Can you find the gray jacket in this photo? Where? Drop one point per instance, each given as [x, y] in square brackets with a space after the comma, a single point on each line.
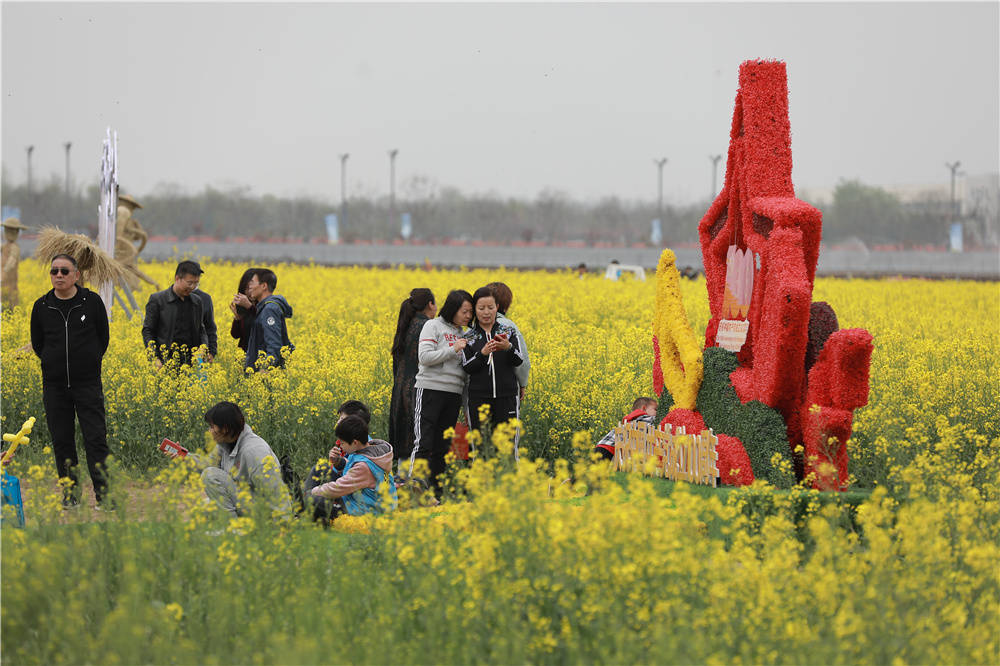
[160, 322]
[440, 366]
[250, 460]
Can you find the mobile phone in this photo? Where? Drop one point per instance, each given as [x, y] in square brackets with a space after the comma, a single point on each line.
[166, 446]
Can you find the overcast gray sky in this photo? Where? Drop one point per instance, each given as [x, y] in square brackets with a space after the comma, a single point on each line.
[502, 98]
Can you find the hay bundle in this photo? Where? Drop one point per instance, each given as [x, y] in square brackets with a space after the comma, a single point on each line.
[96, 265]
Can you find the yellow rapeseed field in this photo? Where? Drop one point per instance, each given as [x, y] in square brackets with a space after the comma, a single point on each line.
[541, 562]
[935, 356]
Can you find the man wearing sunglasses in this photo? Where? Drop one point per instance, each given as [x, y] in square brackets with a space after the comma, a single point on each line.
[175, 317]
[69, 333]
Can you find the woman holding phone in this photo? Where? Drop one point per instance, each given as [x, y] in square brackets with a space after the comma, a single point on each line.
[440, 383]
[490, 358]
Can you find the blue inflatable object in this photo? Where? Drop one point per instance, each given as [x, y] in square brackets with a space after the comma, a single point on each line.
[12, 497]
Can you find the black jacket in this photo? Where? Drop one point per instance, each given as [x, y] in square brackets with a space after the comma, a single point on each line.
[491, 378]
[160, 322]
[208, 316]
[70, 347]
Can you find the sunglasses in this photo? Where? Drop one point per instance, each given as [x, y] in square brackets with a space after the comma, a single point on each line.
[61, 269]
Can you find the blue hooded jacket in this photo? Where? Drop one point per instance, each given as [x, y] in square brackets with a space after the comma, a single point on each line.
[269, 332]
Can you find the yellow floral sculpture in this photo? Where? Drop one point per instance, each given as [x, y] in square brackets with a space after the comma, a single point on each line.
[680, 351]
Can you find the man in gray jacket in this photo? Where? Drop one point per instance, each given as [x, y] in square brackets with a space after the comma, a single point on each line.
[175, 317]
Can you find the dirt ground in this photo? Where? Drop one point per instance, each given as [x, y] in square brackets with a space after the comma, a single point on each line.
[141, 498]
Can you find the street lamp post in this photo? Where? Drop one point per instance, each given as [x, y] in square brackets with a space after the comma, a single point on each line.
[715, 172]
[343, 187]
[67, 146]
[659, 181]
[30, 150]
[392, 182]
[953, 167]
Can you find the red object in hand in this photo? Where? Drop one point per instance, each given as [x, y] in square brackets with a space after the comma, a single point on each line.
[172, 448]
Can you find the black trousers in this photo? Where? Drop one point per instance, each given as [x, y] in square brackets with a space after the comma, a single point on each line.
[64, 404]
[433, 413]
[502, 409]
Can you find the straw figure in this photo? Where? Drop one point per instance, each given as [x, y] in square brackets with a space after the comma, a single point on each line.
[11, 258]
[129, 232]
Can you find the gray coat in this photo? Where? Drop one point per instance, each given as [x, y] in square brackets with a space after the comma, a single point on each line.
[246, 461]
[160, 322]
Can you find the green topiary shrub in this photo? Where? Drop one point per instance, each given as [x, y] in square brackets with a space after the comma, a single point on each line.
[717, 397]
[762, 431]
[759, 427]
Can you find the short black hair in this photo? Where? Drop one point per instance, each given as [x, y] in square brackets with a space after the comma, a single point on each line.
[188, 268]
[453, 304]
[227, 417]
[356, 408]
[267, 276]
[352, 429]
[481, 293]
[63, 255]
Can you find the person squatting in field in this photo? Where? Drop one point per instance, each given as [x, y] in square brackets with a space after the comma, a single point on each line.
[331, 468]
[240, 461]
[367, 468]
[643, 410]
[490, 359]
[440, 384]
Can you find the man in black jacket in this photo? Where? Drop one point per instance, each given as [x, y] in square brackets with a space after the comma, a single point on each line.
[175, 317]
[69, 333]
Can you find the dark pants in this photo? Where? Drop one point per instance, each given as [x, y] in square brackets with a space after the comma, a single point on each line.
[433, 413]
[502, 409]
[322, 508]
[85, 401]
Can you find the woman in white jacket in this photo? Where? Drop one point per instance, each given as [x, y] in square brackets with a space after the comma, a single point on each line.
[440, 383]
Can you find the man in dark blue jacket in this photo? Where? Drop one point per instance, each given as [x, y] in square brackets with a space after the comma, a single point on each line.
[270, 332]
[69, 333]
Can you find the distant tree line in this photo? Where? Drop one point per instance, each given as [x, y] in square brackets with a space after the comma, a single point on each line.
[858, 211]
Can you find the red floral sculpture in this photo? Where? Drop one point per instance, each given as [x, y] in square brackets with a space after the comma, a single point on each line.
[733, 463]
[757, 209]
[838, 384]
[688, 419]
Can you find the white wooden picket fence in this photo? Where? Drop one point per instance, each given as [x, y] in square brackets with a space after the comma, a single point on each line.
[640, 447]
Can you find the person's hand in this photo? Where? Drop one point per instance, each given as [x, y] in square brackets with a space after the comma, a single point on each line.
[336, 453]
[460, 344]
[521, 392]
[236, 313]
[243, 301]
[157, 364]
[503, 344]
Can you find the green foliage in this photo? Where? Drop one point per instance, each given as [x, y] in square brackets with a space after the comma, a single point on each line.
[663, 407]
[759, 427]
[717, 399]
[876, 215]
[762, 431]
